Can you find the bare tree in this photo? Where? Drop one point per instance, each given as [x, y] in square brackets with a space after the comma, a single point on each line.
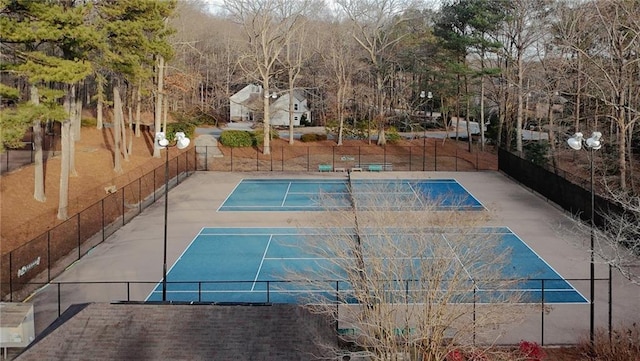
[617, 234]
[341, 64]
[526, 22]
[373, 23]
[266, 25]
[611, 65]
[296, 50]
[408, 273]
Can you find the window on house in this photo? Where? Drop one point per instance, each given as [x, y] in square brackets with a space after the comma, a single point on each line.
[295, 106]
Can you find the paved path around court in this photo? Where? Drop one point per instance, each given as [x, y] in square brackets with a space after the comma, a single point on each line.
[135, 252]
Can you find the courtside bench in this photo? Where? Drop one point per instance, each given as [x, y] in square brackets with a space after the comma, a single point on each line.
[325, 168]
[375, 167]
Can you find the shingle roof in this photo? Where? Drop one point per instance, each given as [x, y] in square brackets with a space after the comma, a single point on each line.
[101, 331]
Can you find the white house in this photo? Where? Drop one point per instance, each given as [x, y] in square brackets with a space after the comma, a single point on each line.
[246, 105]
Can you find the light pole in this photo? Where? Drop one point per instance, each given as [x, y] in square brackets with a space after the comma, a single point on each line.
[429, 96]
[593, 143]
[163, 143]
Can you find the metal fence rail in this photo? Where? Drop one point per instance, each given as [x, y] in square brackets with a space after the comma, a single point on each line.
[430, 157]
[46, 256]
[544, 318]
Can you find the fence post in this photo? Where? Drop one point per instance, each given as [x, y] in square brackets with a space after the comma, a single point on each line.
[59, 300]
[268, 291]
[384, 156]
[123, 218]
[474, 313]
[128, 291]
[48, 256]
[102, 207]
[140, 195]
[337, 307]
[231, 159]
[11, 276]
[257, 159]
[456, 158]
[78, 233]
[308, 158]
[542, 315]
[199, 291]
[282, 158]
[610, 307]
[155, 189]
[435, 156]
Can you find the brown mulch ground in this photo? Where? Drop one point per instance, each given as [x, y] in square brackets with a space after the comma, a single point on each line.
[22, 218]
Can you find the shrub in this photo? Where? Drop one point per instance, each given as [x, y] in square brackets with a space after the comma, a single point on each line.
[532, 351]
[187, 128]
[258, 136]
[624, 346]
[312, 137]
[195, 116]
[392, 135]
[236, 138]
[88, 122]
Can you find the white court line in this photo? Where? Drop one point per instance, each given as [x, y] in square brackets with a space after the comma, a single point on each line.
[460, 261]
[255, 280]
[415, 193]
[229, 195]
[284, 199]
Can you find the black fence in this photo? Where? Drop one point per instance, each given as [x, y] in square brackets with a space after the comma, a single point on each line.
[545, 323]
[47, 255]
[571, 192]
[15, 158]
[432, 156]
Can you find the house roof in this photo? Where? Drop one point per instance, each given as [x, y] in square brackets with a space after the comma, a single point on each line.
[101, 331]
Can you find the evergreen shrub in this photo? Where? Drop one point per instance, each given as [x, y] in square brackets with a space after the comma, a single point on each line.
[236, 138]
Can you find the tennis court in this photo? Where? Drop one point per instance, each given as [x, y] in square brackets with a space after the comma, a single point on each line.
[253, 265]
[323, 194]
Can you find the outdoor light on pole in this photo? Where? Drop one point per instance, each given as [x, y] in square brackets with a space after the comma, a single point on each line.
[181, 141]
[593, 143]
[429, 96]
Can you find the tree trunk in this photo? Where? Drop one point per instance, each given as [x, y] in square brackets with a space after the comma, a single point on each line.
[63, 202]
[482, 141]
[266, 118]
[99, 103]
[158, 112]
[38, 169]
[380, 121]
[138, 102]
[70, 107]
[117, 122]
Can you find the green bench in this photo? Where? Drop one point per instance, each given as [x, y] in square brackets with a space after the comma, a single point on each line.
[375, 167]
[325, 168]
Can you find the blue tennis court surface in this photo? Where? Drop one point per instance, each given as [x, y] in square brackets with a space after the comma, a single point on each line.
[323, 194]
[254, 264]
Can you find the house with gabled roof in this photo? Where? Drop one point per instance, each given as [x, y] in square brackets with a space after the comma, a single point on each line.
[246, 106]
